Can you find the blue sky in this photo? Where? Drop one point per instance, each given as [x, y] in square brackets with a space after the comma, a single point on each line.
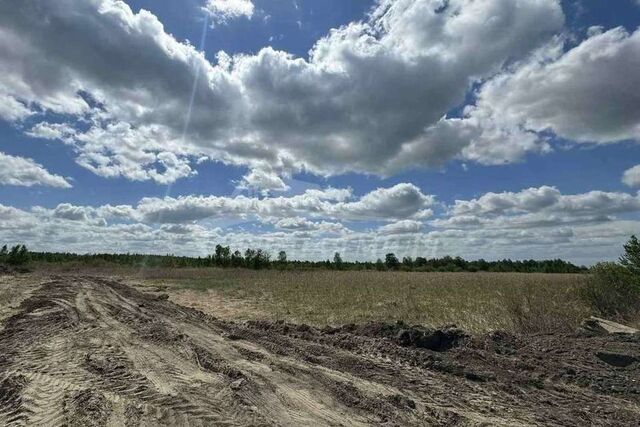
[497, 129]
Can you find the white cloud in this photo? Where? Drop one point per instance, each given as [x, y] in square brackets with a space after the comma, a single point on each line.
[302, 224]
[221, 11]
[568, 93]
[572, 94]
[72, 213]
[370, 98]
[547, 199]
[537, 207]
[263, 181]
[586, 243]
[401, 201]
[25, 172]
[631, 176]
[360, 103]
[406, 226]
[533, 223]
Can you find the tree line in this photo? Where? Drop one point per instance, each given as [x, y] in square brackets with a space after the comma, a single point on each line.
[17, 255]
[224, 257]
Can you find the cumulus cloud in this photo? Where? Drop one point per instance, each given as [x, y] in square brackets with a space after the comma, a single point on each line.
[72, 213]
[262, 180]
[534, 222]
[547, 198]
[631, 177]
[25, 172]
[571, 94]
[370, 97]
[302, 238]
[406, 226]
[221, 11]
[303, 224]
[398, 202]
[559, 89]
[537, 207]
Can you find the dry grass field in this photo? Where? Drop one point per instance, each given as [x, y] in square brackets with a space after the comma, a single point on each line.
[476, 302]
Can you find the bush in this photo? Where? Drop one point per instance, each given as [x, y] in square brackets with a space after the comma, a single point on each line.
[613, 291]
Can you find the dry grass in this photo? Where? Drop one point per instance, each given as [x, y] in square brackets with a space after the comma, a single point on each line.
[477, 302]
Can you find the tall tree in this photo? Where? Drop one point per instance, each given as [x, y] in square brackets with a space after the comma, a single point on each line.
[631, 257]
[337, 261]
[392, 261]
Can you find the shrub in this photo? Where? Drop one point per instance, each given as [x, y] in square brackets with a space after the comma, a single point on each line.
[613, 291]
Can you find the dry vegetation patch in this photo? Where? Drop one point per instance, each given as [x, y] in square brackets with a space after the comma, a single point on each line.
[476, 302]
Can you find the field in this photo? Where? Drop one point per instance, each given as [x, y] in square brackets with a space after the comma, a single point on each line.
[120, 346]
[476, 302]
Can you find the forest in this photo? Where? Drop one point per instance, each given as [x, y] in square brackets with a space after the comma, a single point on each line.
[258, 259]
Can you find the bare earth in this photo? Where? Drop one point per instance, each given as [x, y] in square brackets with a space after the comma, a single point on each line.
[92, 351]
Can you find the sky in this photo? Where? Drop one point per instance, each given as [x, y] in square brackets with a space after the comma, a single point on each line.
[483, 129]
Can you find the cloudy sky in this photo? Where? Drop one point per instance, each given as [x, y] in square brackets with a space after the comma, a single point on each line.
[479, 128]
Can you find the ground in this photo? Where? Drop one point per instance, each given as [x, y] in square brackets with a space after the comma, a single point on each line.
[87, 350]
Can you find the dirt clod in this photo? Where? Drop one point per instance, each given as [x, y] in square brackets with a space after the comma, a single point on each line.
[616, 359]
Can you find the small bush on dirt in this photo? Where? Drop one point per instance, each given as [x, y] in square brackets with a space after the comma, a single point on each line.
[613, 290]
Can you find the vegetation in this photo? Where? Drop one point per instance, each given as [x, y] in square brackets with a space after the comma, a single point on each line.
[613, 290]
[336, 291]
[259, 259]
[17, 256]
[631, 258]
[476, 302]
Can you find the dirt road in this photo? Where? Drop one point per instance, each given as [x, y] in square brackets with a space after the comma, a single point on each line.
[92, 351]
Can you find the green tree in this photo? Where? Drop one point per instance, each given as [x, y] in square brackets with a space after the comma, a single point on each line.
[4, 252]
[261, 259]
[249, 255]
[407, 262]
[19, 255]
[631, 257]
[282, 257]
[222, 257]
[391, 260]
[337, 261]
[236, 259]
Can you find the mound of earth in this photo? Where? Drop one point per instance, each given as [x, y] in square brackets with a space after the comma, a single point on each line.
[407, 336]
[90, 351]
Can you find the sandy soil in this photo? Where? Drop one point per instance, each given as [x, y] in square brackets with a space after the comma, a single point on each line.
[95, 351]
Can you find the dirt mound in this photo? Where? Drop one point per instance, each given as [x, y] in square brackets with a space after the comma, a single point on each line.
[89, 351]
[407, 336]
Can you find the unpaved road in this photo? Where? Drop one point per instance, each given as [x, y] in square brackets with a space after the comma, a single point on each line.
[91, 351]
